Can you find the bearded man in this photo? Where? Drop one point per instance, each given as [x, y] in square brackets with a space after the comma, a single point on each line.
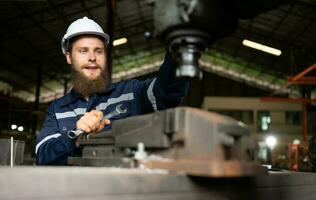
[93, 96]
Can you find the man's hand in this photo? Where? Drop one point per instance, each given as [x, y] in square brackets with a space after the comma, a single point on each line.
[92, 122]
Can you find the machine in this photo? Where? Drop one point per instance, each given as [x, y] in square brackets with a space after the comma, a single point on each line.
[180, 153]
[189, 27]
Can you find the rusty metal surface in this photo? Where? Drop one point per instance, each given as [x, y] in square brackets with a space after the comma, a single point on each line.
[198, 134]
[206, 168]
[148, 129]
[103, 162]
[95, 183]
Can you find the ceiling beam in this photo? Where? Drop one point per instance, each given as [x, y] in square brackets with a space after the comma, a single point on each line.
[36, 24]
[84, 6]
[17, 71]
[60, 15]
[47, 21]
[14, 83]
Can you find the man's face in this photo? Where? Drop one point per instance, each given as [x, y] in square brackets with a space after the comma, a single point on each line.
[88, 57]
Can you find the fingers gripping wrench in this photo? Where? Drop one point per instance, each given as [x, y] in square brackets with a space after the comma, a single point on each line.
[119, 109]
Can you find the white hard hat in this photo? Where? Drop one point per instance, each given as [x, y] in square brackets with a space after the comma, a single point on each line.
[81, 27]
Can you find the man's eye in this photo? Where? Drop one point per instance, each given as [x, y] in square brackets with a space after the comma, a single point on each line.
[99, 51]
[82, 50]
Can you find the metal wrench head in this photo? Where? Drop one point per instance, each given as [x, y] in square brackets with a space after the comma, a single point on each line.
[119, 109]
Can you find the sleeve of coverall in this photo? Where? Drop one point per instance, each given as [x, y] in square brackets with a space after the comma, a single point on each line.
[53, 147]
[164, 91]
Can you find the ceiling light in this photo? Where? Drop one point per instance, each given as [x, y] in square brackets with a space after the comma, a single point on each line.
[13, 126]
[20, 128]
[147, 34]
[119, 41]
[262, 47]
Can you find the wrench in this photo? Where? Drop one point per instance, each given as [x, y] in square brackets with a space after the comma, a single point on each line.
[119, 109]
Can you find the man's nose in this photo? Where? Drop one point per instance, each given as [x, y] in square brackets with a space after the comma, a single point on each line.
[92, 57]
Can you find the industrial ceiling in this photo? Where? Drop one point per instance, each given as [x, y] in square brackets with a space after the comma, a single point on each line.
[31, 55]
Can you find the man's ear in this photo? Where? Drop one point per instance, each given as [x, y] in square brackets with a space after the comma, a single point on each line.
[68, 58]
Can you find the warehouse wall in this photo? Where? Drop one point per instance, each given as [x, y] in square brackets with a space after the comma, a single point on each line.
[279, 125]
[214, 85]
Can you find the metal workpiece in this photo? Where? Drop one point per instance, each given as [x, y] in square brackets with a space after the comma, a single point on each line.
[186, 133]
[186, 140]
[207, 144]
[96, 183]
[148, 129]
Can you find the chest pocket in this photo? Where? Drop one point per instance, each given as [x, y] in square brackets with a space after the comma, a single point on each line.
[118, 111]
[67, 124]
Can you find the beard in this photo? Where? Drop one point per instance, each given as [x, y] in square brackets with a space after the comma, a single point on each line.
[85, 86]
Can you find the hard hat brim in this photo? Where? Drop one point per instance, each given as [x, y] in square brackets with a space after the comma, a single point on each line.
[64, 41]
[105, 36]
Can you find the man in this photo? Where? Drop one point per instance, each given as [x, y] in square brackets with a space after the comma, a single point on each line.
[93, 96]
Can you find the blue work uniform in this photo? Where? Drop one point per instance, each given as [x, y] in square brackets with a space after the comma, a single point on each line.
[139, 97]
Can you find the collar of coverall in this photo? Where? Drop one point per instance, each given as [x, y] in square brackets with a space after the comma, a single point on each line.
[75, 95]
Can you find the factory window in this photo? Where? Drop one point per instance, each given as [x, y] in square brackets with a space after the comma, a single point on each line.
[293, 117]
[264, 119]
[246, 116]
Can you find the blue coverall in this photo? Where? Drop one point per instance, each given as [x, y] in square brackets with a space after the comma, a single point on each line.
[139, 97]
